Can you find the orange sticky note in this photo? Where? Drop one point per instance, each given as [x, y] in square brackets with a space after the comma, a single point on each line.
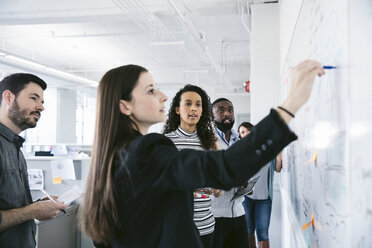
[57, 180]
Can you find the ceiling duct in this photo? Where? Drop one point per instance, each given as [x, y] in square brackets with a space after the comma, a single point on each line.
[199, 37]
[145, 19]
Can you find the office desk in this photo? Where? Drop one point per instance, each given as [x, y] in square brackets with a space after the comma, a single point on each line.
[60, 232]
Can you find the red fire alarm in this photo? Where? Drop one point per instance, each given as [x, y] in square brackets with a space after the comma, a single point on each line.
[246, 86]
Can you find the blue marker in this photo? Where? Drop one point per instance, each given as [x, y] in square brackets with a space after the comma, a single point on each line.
[326, 67]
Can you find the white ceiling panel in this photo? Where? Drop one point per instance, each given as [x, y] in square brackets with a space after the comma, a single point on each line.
[190, 41]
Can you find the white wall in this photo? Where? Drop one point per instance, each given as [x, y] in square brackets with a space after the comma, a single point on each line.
[265, 90]
[45, 131]
[241, 102]
[264, 60]
[66, 116]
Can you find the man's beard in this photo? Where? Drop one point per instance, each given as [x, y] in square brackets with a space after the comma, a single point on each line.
[225, 126]
[19, 117]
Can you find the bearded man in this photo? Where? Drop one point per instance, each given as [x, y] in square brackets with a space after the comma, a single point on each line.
[231, 228]
[21, 104]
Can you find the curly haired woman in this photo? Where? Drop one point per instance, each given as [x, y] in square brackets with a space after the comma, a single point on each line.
[189, 126]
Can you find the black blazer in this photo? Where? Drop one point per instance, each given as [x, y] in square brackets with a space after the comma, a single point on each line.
[154, 182]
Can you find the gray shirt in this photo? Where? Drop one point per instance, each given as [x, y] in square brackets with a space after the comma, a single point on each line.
[261, 188]
[14, 189]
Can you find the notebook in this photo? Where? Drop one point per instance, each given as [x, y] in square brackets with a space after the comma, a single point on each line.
[71, 195]
[246, 189]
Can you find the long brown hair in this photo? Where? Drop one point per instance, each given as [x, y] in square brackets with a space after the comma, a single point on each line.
[204, 127]
[99, 215]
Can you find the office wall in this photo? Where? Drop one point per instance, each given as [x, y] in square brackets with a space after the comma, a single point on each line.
[45, 131]
[264, 60]
[66, 116]
[265, 87]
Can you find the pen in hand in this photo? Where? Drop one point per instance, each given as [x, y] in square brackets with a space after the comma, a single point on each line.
[51, 198]
[327, 67]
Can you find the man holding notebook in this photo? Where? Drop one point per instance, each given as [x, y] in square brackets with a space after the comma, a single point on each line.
[21, 104]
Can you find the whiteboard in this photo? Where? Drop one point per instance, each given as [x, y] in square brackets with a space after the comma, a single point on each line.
[326, 183]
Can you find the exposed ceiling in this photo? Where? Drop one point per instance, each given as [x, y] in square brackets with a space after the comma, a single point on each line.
[204, 42]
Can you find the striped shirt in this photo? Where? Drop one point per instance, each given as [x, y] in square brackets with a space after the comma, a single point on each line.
[203, 216]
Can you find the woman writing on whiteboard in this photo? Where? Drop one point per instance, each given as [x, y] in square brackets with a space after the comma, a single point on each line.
[139, 191]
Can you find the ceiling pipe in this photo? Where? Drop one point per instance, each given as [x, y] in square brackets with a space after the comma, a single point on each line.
[145, 19]
[245, 17]
[200, 39]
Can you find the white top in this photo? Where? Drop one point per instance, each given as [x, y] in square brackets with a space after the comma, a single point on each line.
[203, 216]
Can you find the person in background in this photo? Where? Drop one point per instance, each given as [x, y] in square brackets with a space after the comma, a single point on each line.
[139, 191]
[21, 104]
[231, 227]
[189, 126]
[258, 205]
[244, 129]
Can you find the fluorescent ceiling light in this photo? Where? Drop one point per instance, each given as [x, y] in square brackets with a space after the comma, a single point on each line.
[70, 76]
[29, 64]
[25, 61]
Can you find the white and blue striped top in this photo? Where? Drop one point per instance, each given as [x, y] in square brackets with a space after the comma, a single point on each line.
[203, 216]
